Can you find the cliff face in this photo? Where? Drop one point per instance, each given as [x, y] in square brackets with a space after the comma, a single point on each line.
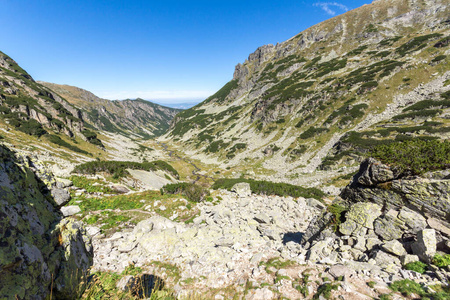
[38, 248]
[32, 108]
[137, 116]
[315, 101]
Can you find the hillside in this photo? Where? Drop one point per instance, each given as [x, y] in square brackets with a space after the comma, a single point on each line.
[144, 118]
[376, 74]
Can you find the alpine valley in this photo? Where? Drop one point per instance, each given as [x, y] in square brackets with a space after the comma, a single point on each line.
[321, 170]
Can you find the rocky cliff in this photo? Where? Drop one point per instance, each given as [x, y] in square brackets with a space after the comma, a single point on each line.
[138, 116]
[322, 98]
[40, 252]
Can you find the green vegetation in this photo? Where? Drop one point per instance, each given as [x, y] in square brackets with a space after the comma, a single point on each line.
[338, 212]
[407, 287]
[441, 261]
[439, 58]
[312, 131]
[21, 122]
[426, 104]
[216, 146]
[191, 191]
[270, 188]
[221, 94]
[92, 138]
[91, 185]
[325, 290]
[416, 43]
[425, 113]
[276, 263]
[118, 168]
[58, 141]
[416, 266]
[414, 156]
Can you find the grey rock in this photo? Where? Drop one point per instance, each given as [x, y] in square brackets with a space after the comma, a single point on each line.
[70, 210]
[340, 270]
[360, 215]
[372, 242]
[61, 196]
[394, 247]
[242, 189]
[440, 226]
[62, 183]
[262, 218]
[413, 220]
[373, 172]
[387, 228]
[425, 247]
[385, 260]
[315, 203]
[408, 258]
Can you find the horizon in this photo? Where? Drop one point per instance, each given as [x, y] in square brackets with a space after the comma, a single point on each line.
[177, 52]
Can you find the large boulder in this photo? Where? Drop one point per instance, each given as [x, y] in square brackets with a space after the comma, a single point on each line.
[38, 248]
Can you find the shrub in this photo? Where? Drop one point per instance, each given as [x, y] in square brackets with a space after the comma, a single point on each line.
[441, 261]
[270, 188]
[414, 156]
[312, 131]
[58, 141]
[439, 58]
[92, 138]
[416, 266]
[118, 168]
[407, 287]
[191, 191]
[338, 212]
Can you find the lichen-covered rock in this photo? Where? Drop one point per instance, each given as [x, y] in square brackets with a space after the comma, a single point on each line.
[360, 215]
[388, 228]
[373, 172]
[34, 245]
[394, 247]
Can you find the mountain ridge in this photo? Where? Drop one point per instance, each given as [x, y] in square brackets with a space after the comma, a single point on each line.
[301, 97]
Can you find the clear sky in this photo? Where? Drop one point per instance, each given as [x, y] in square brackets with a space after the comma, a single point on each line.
[165, 50]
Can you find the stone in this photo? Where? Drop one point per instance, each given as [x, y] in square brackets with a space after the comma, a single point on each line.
[371, 243]
[385, 260]
[70, 210]
[315, 203]
[394, 247]
[373, 172]
[242, 189]
[340, 271]
[442, 227]
[413, 220]
[261, 294]
[62, 183]
[61, 196]
[425, 247]
[316, 226]
[319, 250]
[360, 215]
[387, 228]
[408, 258]
[262, 218]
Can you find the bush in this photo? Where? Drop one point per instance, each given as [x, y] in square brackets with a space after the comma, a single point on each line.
[407, 287]
[92, 138]
[414, 157]
[312, 131]
[270, 188]
[441, 261]
[416, 266]
[191, 191]
[58, 141]
[118, 168]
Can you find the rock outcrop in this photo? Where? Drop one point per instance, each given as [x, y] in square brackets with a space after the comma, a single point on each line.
[38, 248]
[384, 221]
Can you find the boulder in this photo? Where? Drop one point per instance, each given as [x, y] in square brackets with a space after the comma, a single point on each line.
[61, 196]
[385, 260]
[62, 183]
[413, 220]
[70, 210]
[394, 247]
[387, 228]
[373, 172]
[360, 215]
[242, 189]
[425, 247]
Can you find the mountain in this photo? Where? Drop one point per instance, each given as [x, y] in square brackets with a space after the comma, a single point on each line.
[32, 108]
[320, 100]
[141, 117]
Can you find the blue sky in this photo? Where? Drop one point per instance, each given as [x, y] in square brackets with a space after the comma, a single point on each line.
[166, 50]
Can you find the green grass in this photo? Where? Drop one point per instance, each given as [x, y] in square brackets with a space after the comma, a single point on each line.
[270, 188]
[277, 263]
[91, 185]
[416, 266]
[59, 141]
[441, 261]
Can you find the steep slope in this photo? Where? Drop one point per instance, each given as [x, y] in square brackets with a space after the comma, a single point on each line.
[319, 99]
[138, 116]
[32, 108]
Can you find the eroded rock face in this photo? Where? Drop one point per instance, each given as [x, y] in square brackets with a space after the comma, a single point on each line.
[36, 244]
[376, 183]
